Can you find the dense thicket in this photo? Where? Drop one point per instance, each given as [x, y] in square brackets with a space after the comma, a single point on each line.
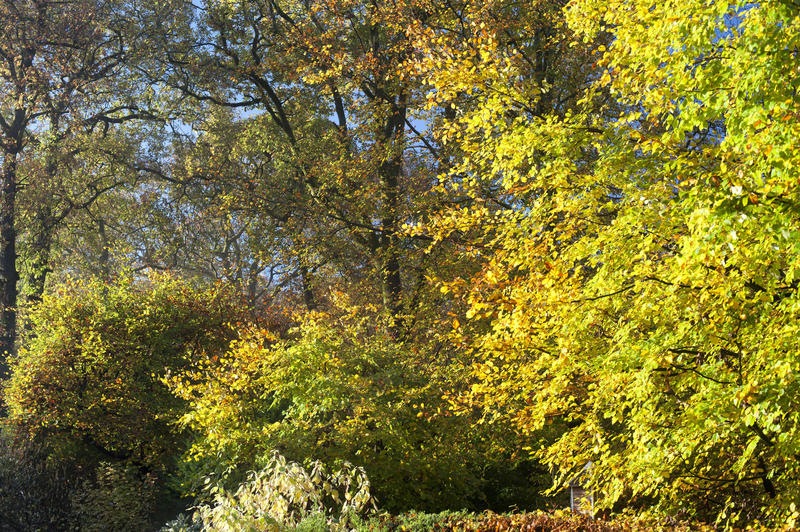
[466, 249]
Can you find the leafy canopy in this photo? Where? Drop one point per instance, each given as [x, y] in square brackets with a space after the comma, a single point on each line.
[640, 282]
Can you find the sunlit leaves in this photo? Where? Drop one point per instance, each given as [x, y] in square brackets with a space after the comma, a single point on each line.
[338, 389]
[638, 279]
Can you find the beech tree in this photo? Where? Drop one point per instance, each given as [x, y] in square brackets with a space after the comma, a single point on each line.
[641, 285]
[91, 377]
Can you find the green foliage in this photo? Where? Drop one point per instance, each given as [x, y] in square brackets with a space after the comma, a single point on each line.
[339, 390]
[284, 495]
[88, 380]
[416, 521]
[120, 499]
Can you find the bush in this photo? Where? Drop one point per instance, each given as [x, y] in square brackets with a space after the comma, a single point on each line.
[285, 495]
[119, 499]
[35, 494]
[562, 521]
[88, 378]
[38, 493]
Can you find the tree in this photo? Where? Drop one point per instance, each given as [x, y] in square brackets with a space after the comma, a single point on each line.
[221, 211]
[645, 257]
[331, 112]
[341, 389]
[63, 181]
[55, 57]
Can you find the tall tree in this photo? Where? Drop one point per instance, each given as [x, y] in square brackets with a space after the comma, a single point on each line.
[54, 56]
[334, 113]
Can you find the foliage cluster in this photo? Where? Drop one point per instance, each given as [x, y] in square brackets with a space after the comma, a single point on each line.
[557, 520]
[90, 375]
[87, 395]
[36, 493]
[639, 275]
[119, 498]
[339, 389]
[285, 495]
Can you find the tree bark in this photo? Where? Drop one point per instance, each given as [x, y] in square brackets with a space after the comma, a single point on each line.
[8, 260]
[390, 173]
[105, 260]
[308, 291]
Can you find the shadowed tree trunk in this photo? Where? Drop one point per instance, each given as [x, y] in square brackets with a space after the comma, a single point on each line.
[8, 256]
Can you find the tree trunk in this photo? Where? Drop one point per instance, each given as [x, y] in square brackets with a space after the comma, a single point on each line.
[308, 291]
[105, 261]
[8, 262]
[390, 172]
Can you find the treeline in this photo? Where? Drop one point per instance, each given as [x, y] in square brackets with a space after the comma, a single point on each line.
[473, 247]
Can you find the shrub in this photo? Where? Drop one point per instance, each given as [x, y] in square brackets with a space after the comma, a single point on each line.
[341, 389]
[88, 378]
[35, 494]
[284, 494]
[563, 521]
